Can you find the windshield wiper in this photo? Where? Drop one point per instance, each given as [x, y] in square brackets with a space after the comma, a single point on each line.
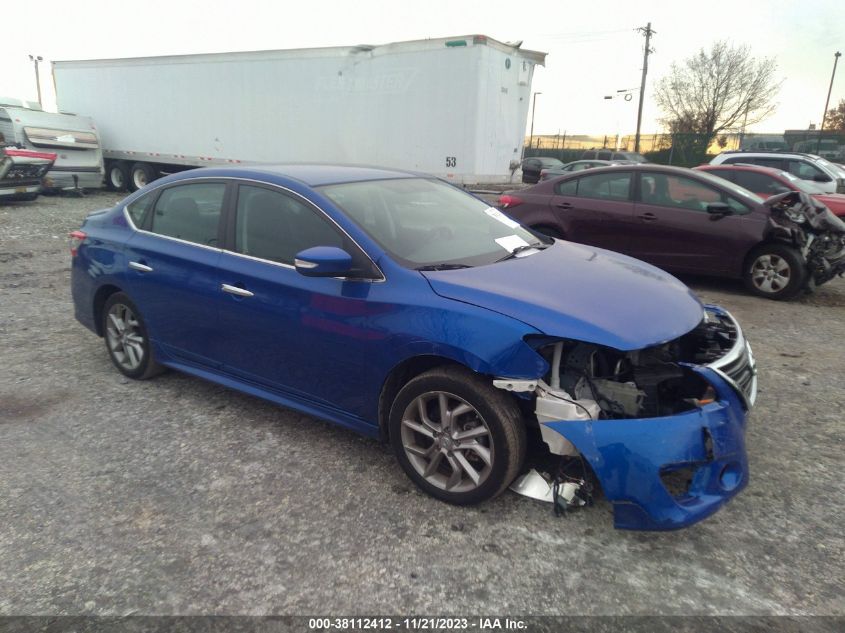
[521, 249]
[442, 266]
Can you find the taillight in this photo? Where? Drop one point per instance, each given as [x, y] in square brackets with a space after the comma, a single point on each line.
[76, 239]
[506, 201]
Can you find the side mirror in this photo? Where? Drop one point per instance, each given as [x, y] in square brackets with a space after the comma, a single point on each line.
[718, 210]
[323, 261]
[821, 178]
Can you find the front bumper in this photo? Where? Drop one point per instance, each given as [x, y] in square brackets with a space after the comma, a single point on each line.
[629, 456]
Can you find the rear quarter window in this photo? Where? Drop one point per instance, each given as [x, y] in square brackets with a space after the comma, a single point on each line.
[567, 187]
[137, 210]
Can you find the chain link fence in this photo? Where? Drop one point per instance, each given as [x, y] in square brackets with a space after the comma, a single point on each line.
[689, 150]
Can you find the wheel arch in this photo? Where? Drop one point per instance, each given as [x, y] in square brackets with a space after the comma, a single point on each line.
[100, 297]
[399, 376]
[746, 259]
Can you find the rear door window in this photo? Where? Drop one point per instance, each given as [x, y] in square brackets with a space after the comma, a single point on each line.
[727, 174]
[608, 186]
[190, 212]
[774, 163]
[567, 187]
[760, 183]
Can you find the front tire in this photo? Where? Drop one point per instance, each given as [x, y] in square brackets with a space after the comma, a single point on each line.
[456, 436]
[775, 271]
[127, 340]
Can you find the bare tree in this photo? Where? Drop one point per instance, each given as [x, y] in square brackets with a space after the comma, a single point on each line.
[717, 90]
[835, 120]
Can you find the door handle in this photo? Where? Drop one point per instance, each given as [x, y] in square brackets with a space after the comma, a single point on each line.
[647, 217]
[564, 205]
[234, 290]
[139, 266]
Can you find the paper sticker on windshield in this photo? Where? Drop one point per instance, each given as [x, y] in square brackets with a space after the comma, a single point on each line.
[511, 242]
[501, 217]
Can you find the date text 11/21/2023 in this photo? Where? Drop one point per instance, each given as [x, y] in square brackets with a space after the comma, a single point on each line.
[417, 623]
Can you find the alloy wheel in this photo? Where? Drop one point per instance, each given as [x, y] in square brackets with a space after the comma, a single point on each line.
[123, 333]
[770, 273]
[447, 442]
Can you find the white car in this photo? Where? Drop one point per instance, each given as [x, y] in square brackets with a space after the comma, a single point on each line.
[829, 177]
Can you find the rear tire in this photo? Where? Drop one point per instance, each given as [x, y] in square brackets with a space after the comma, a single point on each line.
[127, 340]
[140, 175]
[456, 436]
[774, 271]
[117, 176]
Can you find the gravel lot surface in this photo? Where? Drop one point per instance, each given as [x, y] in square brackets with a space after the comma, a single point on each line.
[175, 496]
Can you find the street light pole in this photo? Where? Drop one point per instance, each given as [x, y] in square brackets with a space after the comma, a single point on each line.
[836, 57]
[533, 111]
[35, 59]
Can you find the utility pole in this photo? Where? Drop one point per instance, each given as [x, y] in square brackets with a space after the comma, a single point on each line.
[533, 110]
[35, 59]
[648, 33]
[836, 57]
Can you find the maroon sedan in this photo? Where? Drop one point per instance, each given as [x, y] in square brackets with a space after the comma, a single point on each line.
[767, 181]
[689, 222]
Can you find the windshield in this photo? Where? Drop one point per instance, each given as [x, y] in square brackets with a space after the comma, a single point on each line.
[732, 187]
[426, 223]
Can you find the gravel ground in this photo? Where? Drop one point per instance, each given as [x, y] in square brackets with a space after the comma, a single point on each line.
[175, 496]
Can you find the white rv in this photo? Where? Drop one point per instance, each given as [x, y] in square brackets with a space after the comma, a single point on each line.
[453, 107]
[73, 138]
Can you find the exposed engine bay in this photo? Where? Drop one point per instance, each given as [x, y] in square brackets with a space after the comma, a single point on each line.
[814, 230]
[592, 383]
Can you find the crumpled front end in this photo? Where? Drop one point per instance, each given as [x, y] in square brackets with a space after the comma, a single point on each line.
[662, 428]
[669, 472]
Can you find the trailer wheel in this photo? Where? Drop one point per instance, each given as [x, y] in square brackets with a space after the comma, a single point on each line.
[140, 175]
[116, 176]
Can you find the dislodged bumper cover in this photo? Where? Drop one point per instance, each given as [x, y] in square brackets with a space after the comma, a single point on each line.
[629, 455]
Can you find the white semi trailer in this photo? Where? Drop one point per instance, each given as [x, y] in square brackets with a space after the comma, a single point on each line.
[452, 107]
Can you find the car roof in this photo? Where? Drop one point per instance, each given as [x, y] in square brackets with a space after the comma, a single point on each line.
[772, 171]
[763, 152]
[646, 167]
[310, 174]
[316, 174]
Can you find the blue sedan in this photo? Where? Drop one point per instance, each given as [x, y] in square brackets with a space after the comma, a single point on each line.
[401, 307]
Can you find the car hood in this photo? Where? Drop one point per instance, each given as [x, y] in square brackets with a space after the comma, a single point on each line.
[579, 292]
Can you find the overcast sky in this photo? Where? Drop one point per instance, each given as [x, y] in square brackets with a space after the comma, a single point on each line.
[593, 47]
